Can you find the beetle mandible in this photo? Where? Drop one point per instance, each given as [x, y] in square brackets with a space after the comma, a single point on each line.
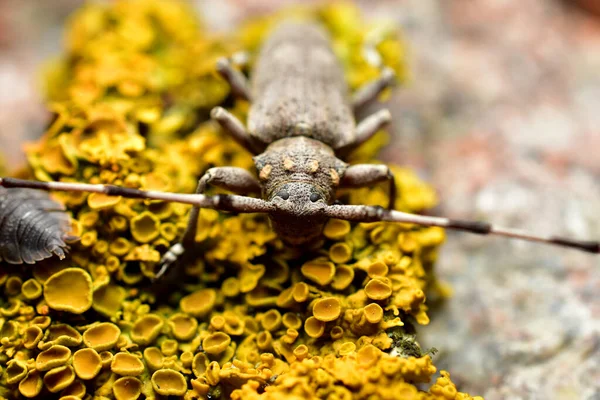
[300, 126]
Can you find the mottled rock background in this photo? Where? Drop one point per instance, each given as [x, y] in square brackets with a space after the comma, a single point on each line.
[502, 116]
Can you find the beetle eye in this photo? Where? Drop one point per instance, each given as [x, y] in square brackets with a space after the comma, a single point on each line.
[315, 197]
[283, 194]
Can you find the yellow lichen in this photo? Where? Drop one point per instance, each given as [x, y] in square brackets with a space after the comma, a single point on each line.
[216, 343]
[199, 364]
[445, 389]
[13, 285]
[347, 348]
[106, 358]
[199, 303]
[378, 268]
[75, 390]
[32, 336]
[186, 358]
[31, 289]
[368, 356]
[300, 292]
[154, 357]
[337, 332]
[126, 364]
[146, 329]
[183, 326]
[313, 327]
[120, 246]
[108, 299]
[55, 356]
[246, 314]
[291, 320]
[62, 334]
[102, 336]
[233, 324]
[169, 347]
[327, 309]
[230, 287]
[340, 253]
[127, 388]
[336, 229]
[144, 227]
[378, 289]
[99, 201]
[167, 382]
[87, 363]
[343, 277]
[16, 370]
[373, 313]
[31, 386]
[59, 378]
[69, 290]
[41, 321]
[319, 271]
[271, 320]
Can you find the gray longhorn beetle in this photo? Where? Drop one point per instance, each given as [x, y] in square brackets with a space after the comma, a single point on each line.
[300, 121]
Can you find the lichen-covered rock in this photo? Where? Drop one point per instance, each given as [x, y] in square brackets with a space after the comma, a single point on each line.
[245, 316]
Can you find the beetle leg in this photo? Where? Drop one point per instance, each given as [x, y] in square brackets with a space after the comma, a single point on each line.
[370, 125]
[235, 180]
[238, 82]
[370, 90]
[366, 129]
[236, 129]
[361, 175]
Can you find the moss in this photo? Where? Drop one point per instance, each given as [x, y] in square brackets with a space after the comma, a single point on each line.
[247, 317]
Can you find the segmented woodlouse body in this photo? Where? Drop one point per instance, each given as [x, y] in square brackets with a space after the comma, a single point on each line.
[32, 226]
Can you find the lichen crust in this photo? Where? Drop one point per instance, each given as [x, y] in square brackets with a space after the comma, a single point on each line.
[245, 316]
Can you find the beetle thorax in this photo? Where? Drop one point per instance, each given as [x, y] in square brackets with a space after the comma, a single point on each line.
[299, 176]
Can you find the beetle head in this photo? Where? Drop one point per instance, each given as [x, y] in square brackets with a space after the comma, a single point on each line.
[299, 215]
[299, 177]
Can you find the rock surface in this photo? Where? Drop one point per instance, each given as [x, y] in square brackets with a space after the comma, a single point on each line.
[502, 116]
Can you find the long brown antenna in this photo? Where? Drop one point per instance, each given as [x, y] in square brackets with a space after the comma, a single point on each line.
[375, 214]
[240, 204]
[243, 204]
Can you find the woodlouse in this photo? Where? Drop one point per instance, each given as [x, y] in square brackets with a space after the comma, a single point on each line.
[33, 227]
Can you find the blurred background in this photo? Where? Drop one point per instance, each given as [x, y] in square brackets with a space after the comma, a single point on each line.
[502, 116]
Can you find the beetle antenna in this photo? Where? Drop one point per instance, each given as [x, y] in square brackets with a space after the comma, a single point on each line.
[376, 214]
[223, 202]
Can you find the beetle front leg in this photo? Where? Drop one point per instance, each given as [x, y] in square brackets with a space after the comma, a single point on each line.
[235, 180]
[238, 82]
[370, 90]
[361, 175]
